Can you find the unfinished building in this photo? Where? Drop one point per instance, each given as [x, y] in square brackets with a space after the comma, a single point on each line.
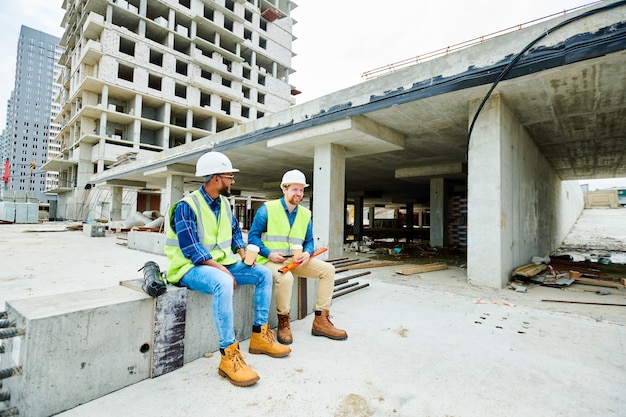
[143, 76]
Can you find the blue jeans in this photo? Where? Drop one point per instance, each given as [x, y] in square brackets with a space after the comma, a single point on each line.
[209, 280]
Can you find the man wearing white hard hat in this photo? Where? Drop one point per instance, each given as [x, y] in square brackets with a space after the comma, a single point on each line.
[279, 226]
[202, 237]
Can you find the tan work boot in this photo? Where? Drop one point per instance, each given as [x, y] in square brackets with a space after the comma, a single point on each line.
[234, 368]
[263, 342]
[322, 326]
[284, 329]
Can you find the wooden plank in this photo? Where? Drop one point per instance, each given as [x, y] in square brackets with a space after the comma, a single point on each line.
[437, 266]
[529, 270]
[369, 265]
[169, 331]
[599, 282]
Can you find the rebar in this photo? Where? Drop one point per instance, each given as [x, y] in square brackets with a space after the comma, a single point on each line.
[339, 294]
[1, 348]
[3, 314]
[5, 396]
[6, 323]
[9, 372]
[10, 332]
[13, 411]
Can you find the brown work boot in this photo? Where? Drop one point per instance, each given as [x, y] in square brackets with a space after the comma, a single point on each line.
[322, 326]
[262, 341]
[234, 368]
[284, 330]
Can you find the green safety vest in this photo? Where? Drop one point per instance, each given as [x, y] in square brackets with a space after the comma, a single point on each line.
[216, 236]
[279, 236]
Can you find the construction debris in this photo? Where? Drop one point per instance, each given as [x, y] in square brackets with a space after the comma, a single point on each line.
[562, 271]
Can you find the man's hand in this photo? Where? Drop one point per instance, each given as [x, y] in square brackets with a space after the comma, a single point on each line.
[276, 257]
[303, 258]
[222, 268]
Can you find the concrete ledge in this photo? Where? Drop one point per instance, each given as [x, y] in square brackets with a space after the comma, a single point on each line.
[83, 345]
[150, 242]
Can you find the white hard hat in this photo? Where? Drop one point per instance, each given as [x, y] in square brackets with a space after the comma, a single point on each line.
[213, 163]
[293, 177]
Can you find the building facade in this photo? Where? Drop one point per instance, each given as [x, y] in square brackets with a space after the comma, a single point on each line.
[27, 131]
[142, 76]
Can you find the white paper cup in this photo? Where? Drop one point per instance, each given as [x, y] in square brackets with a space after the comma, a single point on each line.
[251, 253]
[296, 250]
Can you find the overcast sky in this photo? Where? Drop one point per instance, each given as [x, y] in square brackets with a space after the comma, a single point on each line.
[337, 40]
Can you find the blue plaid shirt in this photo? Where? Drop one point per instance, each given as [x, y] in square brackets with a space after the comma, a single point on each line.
[185, 224]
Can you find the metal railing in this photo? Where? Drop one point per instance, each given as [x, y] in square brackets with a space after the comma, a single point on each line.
[388, 69]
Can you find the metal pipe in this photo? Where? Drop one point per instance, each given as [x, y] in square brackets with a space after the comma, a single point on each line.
[339, 294]
[9, 372]
[343, 280]
[343, 287]
[10, 332]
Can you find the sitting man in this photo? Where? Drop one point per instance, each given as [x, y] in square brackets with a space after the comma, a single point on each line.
[202, 234]
[278, 226]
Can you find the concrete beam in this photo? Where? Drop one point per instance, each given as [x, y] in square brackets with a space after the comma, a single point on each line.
[173, 169]
[358, 135]
[125, 183]
[439, 170]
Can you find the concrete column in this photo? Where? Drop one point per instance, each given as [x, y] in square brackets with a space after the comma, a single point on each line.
[489, 219]
[329, 173]
[372, 215]
[116, 203]
[174, 190]
[409, 222]
[437, 212]
[358, 218]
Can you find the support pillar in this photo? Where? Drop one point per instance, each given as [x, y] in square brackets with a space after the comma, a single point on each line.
[329, 173]
[490, 214]
[174, 190]
[437, 212]
[358, 218]
[409, 222]
[116, 203]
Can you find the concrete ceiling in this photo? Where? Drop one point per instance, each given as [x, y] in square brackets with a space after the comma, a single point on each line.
[571, 100]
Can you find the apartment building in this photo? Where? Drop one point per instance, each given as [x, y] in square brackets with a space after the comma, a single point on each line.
[29, 110]
[143, 76]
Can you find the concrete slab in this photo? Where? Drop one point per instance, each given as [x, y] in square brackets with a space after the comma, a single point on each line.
[425, 344]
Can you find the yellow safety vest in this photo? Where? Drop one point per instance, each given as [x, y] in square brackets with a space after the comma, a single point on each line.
[279, 236]
[215, 234]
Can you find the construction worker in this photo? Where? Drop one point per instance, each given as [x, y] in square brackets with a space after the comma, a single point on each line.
[278, 227]
[202, 235]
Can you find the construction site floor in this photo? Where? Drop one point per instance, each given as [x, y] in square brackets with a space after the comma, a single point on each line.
[419, 345]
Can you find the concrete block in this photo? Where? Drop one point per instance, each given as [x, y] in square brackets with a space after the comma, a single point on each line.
[7, 211]
[7, 195]
[77, 347]
[21, 213]
[150, 242]
[20, 196]
[94, 230]
[32, 212]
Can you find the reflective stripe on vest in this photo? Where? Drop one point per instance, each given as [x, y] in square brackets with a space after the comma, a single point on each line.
[279, 236]
[217, 241]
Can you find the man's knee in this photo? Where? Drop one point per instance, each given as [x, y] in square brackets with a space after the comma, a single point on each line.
[284, 280]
